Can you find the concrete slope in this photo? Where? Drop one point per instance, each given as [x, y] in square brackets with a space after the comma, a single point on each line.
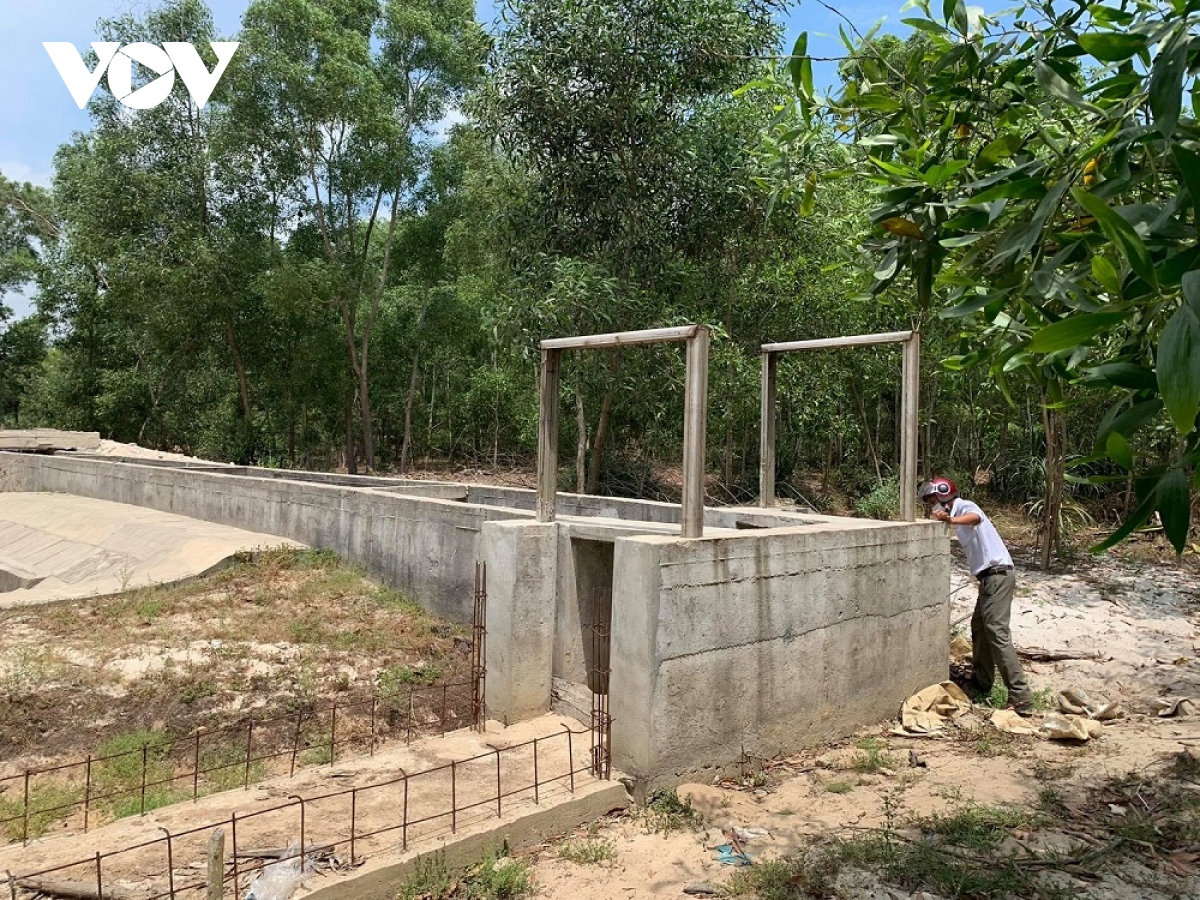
[61, 547]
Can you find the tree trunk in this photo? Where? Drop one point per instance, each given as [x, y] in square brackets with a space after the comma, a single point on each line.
[414, 379]
[872, 453]
[580, 440]
[351, 455]
[600, 441]
[1052, 506]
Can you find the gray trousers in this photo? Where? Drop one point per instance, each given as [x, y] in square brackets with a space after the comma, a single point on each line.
[991, 639]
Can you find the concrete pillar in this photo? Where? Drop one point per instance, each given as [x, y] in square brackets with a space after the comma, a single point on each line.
[522, 582]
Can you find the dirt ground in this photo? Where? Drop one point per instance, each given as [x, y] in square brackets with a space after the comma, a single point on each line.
[975, 812]
[275, 636]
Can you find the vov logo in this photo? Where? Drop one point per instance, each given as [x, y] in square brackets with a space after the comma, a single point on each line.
[171, 58]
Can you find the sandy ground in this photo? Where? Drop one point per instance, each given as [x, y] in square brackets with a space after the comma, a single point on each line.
[1141, 620]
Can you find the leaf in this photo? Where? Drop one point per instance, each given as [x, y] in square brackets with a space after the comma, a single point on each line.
[902, 227]
[1136, 519]
[1000, 148]
[1073, 331]
[1119, 451]
[1126, 375]
[1057, 86]
[1120, 233]
[796, 67]
[887, 268]
[1106, 275]
[1166, 82]
[1179, 368]
[1109, 46]
[1189, 169]
[808, 201]
[1174, 507]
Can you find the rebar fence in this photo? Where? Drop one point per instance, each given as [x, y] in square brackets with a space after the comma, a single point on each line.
[601, 721]
[224, 758]
[382, 817]
[479, 648]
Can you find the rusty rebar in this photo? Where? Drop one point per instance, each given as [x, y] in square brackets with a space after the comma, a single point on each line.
[170, 863]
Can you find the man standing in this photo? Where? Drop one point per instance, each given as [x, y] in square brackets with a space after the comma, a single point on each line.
[990, 563]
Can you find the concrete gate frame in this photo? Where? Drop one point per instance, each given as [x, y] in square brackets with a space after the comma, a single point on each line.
[910, 375]
[695, 417]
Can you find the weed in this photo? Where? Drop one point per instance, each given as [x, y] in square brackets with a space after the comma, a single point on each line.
[997, 697]
[872, 756]
[839, 787]
[321, 755]
[589, 852]
[197, 690]
[392, 680]
[666, 812]
[882, 503]
[24, 670]
[976, 827]
[495, 878]
[49, 802]
[133, 773]
[1043, 700]
[224, 767]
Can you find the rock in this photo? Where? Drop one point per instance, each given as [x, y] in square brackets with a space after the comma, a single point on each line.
[701, 888]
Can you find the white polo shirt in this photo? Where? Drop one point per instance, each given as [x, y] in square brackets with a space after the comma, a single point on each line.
[982, 543]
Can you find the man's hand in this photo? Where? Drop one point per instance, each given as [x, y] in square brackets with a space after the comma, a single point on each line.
[941, 515]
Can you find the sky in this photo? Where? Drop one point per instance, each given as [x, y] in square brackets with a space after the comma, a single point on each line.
[37, 113]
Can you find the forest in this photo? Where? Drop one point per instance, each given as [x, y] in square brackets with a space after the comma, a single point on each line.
[346, 259]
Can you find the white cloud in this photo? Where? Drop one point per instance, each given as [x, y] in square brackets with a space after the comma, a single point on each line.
[440, 130]
[15, 170]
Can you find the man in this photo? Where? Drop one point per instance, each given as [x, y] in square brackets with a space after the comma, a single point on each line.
[990, 562]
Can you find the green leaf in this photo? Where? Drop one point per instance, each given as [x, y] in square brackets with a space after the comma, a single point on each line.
[1175, 507]
[1179, 368]
[1126, 375]
[1057, 86]
[1106, 276]
[1119, 451]
[1073, 331]
[1109, 46]
[1000, 148]
[1136, 520]
[796, 66]
[1166, 82]
[1120, 233]
[1189, 169]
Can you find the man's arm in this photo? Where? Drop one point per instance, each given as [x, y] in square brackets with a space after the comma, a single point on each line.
[967, 518]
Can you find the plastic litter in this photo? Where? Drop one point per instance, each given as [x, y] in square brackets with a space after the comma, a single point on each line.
[728, 856]
[1059, 727]
[279, 880]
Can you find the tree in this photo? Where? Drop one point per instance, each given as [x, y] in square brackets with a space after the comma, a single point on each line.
[333, 99]
[1039, 178]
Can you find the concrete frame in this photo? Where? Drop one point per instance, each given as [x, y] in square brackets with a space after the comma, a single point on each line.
[910, 375]
[695, 416]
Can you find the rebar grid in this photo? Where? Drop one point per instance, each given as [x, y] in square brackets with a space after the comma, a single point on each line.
[187, 751]
[400, 785]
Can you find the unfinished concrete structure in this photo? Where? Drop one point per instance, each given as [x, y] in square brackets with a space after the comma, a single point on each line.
[770, 631]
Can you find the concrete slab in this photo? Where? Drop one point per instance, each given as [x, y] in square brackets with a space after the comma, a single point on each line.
[47, 440]
[61, 547]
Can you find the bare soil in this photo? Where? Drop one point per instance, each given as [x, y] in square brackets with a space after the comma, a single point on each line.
[281, 634]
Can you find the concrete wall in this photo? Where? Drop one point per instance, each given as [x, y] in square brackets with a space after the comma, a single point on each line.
[769, 642]
[425, 546]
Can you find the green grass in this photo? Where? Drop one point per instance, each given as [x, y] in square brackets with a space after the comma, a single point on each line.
[224, 767]
[118, 780]
[976, 827]
[588, 852]
[496, 877]
[397, 678]
[46, 802]
[666, 813]
[838, 787]
[872, 756]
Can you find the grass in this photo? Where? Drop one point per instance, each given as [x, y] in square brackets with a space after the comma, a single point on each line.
[976, 827]
[872, 756]
[118, 779]
[496, 877]
[588, 852]
[666, 813]
[839, 787]
[393, 680]
[49, 802]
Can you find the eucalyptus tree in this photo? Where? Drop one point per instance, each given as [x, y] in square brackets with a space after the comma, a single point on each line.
[334, 99]
[605, 104]
[1038, 180]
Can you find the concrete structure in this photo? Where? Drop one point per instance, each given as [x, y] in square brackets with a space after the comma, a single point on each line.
[772, 631]
[58, 547]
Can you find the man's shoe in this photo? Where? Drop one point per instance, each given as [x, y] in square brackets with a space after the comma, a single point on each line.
[1024, 710]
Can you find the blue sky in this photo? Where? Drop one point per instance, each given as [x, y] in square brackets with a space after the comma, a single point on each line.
[37, 113]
